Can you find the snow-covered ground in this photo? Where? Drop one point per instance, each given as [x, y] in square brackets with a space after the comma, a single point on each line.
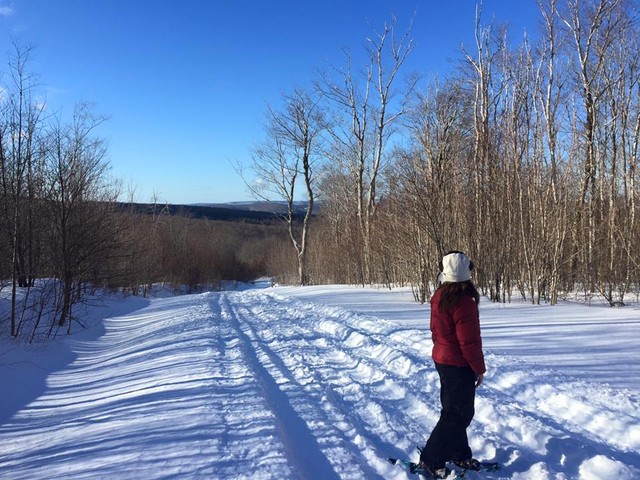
[315, 383]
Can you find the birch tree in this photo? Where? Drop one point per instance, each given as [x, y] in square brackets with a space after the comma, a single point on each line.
[286, 162]
[366, 110]
[595, 28]
[486, 84]
[19, 151]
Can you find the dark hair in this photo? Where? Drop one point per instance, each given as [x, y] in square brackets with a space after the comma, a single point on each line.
[452, 292]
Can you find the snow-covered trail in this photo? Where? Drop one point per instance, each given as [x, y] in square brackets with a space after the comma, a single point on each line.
[127, 405]
[263, 385]
[374, 380]
[334, 389]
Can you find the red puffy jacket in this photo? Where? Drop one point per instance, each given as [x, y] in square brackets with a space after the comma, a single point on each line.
[456, 334]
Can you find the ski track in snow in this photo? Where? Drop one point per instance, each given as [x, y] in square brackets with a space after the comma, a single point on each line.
[258, 385]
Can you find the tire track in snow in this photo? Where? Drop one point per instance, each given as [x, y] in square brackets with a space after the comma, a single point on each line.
[354, 375]
[301, 445]
[567, 429]
[366, 389]
[250, 441]
[390, 366]
[203, 386]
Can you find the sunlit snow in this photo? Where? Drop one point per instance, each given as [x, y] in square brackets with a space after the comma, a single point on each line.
[315, 383]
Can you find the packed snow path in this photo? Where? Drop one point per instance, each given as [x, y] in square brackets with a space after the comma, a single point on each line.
[263, 385]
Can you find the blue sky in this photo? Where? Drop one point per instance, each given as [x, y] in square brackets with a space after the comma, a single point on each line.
[185, 83]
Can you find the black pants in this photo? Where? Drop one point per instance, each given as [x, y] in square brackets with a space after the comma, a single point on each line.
[448, 440]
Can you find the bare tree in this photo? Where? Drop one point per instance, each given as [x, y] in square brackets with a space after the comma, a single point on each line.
[487, 86]
[286, 162]
[595, 28]
[19, 149]
[548, 93]
[365, 123]
[430, 181]
[79, 199]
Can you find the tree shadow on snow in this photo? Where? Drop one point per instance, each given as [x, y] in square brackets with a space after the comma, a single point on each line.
[24, 369]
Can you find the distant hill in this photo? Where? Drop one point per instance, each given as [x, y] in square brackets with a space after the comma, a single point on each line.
[255, 212]
[257, 206]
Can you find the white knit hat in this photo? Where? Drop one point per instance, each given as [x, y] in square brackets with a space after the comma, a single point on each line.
[456, 267]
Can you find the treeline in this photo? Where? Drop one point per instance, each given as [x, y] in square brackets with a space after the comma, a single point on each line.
[64, 235]
[526, 157]
[207, 212]
[194, 254]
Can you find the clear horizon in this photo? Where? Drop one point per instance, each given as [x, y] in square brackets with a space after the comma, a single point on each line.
[185, 85]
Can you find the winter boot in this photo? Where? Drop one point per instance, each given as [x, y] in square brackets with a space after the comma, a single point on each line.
[469, 464]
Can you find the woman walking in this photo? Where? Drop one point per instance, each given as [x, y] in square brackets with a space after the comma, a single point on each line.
[457, 353]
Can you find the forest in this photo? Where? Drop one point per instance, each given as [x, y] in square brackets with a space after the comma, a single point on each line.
[526, 157]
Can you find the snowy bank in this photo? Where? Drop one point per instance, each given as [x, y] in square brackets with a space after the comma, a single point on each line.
[315, 383]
